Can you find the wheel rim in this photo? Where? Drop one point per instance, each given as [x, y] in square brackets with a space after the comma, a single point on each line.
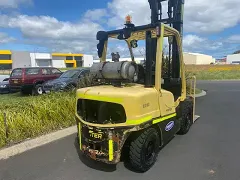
[39, 90]
[150, 151]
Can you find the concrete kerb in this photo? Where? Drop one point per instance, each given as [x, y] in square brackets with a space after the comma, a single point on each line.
[27, 145]
[37, 142]
[203, 93]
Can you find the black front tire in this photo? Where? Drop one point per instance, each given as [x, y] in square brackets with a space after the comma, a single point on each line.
[144, 150]
[186, 120]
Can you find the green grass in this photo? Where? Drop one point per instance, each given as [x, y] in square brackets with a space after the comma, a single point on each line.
[216, 75]
[29, 117]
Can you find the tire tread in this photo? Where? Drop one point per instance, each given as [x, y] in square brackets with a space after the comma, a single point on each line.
[136, 150]
[186, 107]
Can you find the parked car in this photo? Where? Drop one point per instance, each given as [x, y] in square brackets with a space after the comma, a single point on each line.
[67, 81]
[30, 80]
[4, 86]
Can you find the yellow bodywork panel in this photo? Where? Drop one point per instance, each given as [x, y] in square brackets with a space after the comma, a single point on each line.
[166, 103]
[158, 120]
[141, 104]
[79, 134]
[110, 149]
[137, 100]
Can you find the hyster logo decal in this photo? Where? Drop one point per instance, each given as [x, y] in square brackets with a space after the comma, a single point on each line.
[95, 135]
[169, 126]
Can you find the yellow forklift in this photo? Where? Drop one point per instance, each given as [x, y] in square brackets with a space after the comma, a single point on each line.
[132, 108]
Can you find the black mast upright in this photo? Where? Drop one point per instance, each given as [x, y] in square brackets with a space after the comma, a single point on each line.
[175, 20]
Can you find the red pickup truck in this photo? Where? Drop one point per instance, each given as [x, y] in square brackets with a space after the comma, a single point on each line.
[30, 80]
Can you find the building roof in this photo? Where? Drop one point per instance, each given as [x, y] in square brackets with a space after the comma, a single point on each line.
[197, 54]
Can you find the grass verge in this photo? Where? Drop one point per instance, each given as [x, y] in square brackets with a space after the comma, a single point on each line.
[29, 117]
[214, 72]
[218, 75]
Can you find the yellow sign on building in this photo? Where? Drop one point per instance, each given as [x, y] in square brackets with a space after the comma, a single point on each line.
[71, 60]
[5, 59]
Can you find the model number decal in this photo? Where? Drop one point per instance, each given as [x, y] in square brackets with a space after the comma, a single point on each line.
[169, 126]
[146, 105]
[169, 109]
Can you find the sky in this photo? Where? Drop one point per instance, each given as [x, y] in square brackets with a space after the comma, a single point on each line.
[210, 27]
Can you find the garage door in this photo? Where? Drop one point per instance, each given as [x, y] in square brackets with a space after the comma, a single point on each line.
[44, 62]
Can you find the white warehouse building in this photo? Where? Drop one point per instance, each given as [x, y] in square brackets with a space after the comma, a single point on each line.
[189, 59]
[41, 59]
[233, 59]
[198, 59]
[59, 60]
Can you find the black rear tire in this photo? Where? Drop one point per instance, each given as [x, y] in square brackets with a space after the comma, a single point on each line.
[144, 150]
[186, 117]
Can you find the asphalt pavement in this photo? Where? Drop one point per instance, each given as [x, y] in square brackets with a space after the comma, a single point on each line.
[210, 151]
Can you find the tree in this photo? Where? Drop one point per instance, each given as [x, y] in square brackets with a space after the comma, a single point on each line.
[237, 52]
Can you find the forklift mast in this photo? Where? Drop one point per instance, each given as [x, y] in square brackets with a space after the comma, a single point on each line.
[174, 19]
[175, 13]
